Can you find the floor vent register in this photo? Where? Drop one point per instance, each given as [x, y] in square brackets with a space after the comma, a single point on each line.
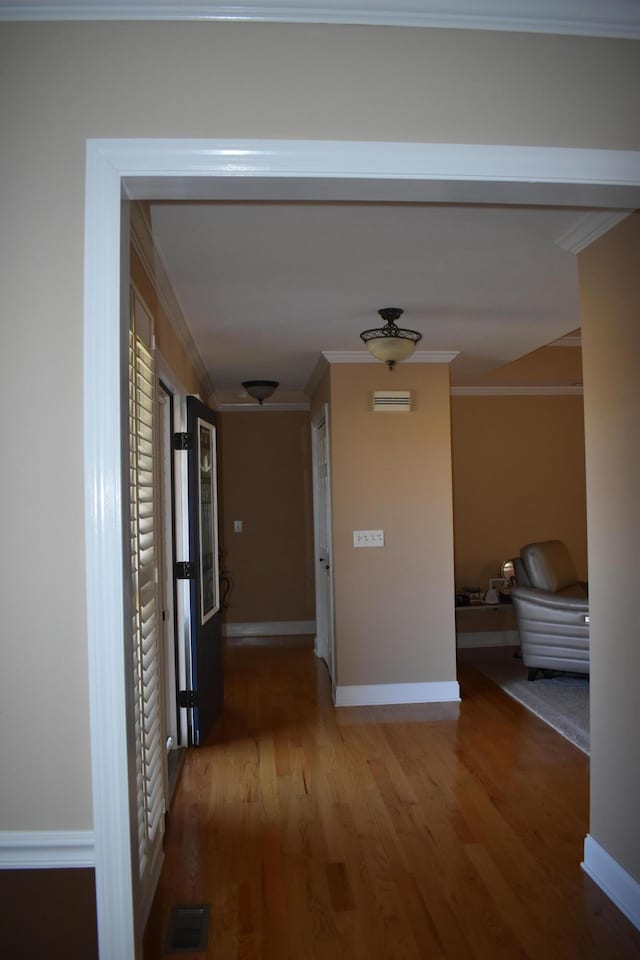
[188, 929]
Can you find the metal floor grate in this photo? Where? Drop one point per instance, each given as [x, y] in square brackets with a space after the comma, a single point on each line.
[188, 929]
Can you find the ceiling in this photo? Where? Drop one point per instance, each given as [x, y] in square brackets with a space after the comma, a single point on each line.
[267, 287]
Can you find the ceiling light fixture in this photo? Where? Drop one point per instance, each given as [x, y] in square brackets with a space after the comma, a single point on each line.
[390, 343]
[260, 389]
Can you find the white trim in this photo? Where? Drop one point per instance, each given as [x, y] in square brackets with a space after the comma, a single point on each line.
[613, 879]
[378, 694]
[166, 554]
[589, 227]
[325, 639]
[270, 628]
[265, 408]
[105, 436]
[356, 170]
[46, 849]
[575, 341]
[546, 391]
[487, 638]
[197, 169]
[183, 587]
[212, 430]
[562, 17]
[363, 356]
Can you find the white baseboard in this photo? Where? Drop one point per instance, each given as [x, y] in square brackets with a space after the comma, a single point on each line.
[618, 885]
[270, 628]
[487, 638]
[378, 694]
[44, 849]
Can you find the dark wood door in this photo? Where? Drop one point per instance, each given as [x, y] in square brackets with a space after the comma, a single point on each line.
[207, 681]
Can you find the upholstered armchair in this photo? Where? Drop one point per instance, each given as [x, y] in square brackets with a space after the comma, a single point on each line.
[552, 609]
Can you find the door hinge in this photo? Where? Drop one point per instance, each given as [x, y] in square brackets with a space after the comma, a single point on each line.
[185, 570]
[183, 441]
[188, 698]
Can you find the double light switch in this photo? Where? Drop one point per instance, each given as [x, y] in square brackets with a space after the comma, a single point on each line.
[368, 538]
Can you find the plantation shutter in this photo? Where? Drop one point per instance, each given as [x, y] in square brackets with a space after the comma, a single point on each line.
[145, 606]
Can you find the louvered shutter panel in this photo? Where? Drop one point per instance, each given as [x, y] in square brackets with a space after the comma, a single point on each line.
[145, 632]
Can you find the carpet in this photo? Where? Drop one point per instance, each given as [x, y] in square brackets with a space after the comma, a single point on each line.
[562, 701]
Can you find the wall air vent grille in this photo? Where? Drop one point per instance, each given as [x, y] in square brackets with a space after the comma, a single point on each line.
[392, 401]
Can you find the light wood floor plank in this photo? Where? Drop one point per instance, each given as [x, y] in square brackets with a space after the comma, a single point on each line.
[425, 832]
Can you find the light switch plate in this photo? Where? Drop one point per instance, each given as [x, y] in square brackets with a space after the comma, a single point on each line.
[368, 538]
[237, 526]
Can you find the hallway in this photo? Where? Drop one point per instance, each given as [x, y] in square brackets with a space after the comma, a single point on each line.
[427, 831]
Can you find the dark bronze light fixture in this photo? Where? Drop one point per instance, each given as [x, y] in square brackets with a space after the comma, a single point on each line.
[390, 343]
[260, 389]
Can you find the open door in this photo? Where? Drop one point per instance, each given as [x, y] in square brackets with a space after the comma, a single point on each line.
[204, 699]
[325, 643]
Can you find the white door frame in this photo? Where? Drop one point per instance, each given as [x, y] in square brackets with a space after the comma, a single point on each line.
[323, 614]
[181, 540]
[200, 169]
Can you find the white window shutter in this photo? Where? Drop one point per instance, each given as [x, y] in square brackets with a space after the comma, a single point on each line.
[145, 628]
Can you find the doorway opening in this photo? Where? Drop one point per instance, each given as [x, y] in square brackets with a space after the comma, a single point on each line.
[137, 169]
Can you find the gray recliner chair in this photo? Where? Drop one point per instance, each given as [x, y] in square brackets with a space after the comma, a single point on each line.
[552, 609]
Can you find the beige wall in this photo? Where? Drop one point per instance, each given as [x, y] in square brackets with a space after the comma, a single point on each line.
[63, 83]
[392, 472]
[265, 474]
[322, 393]
[518, 476]
[167, 341]
[548, 365]
[610, 295]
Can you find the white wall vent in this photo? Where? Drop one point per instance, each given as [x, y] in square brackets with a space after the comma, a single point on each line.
[392, 401]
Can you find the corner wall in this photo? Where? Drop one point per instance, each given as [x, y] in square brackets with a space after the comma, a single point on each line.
[394, 606]
[610, 294]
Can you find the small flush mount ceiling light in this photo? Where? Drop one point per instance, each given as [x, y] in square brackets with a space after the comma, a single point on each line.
[260, 389]
[390, 343]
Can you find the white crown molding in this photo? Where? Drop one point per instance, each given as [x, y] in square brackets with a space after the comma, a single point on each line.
[46, 849]
[577, 17]
[363, 356]
[588, 228]
[506, 391]
[265, 408]
[379, 694]
[575, 341]
[613, 879]
[142, 242]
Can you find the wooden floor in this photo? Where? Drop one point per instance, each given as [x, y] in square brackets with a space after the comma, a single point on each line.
[433, 831]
